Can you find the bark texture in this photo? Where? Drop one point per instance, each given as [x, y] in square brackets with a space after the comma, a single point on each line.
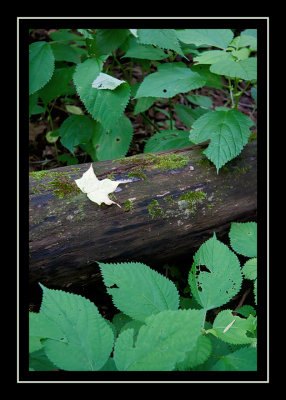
[166, 212]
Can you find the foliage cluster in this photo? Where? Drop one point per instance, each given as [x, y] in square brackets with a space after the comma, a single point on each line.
[155, 328]
[77, 68]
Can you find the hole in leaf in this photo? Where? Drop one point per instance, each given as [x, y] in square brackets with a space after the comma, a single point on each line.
[164, 90]
[118, 139]
[114, 286]
[97, 146]
[203, 268]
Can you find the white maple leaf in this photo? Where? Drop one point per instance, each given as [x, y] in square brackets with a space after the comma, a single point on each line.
[96, 190]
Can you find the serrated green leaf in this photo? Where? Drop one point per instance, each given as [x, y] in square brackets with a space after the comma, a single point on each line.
[41, 328]
[41, 65]
[243, 238]
[105, 41]
[143, 103]
[164, 38]
[65, 52]
[199, 100]
[246, 310]
[244, 41]
[167, 140]
[140, 291]
[212, 56]
[114, 143]
[34, 108]
[198, 355]
[255, 291]
[119, 320]
[244, 69]
[189, 115]
[143, 51]
[38, 361]
[161, 343]
[212, 80]
[249, 269]
[76, 129]
[233, 329]
[228, 131]
[105, 106]
[65, 34]
[88, 338]
[59, 85]
[250, 32]
[169, 80]
[109, 365]
[221, 281]
[212, 37]
[244, 359]
[241, 54]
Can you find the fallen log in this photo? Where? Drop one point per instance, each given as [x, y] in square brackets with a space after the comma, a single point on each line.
[172, 203]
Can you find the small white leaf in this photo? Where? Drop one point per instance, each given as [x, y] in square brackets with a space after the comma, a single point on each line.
[105, 81]
[96, 190]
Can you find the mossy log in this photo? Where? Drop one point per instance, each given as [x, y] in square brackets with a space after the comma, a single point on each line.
[169, 207]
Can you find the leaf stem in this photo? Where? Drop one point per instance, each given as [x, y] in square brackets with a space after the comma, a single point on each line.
[147, 119]
[120, 66]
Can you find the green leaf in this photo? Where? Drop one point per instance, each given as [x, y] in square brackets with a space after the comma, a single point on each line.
[143, 51]
[105, 106]
[244, 359]
[76, 129]
[246, 310]
[164, 38]
[250, 32]
[244, 41]
[199, 100]
[198, 355]
[249, 269]
[243, 238]
[105, 41]
[65, 34]
[215, 276]
[169, 80]
[140, 291]
[65, 52]
[41, 65]
[161, 343]
[167, 140]
[212, 56]
[34, 108]
[212, 80]
[59, 85]
[212, 37]
[233, 329]
[143, 103]
[228, 131]
[119, 320]
[39, 361]
[88, 338]
[114, 143]
[189, 115]
[244, 69]
[41, 328]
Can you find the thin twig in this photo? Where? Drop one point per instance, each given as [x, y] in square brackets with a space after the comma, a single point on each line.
[242, 299]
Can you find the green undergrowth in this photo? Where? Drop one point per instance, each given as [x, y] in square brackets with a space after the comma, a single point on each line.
[156, 326]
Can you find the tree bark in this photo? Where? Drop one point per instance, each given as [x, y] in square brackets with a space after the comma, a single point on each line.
[69, 233]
